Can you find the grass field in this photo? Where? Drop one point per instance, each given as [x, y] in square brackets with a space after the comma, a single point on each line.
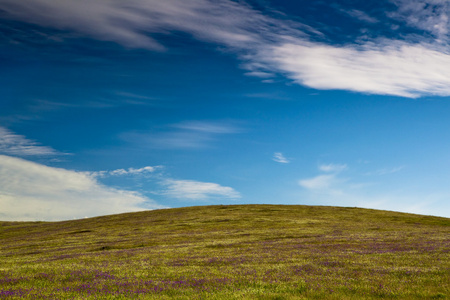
[229, 252]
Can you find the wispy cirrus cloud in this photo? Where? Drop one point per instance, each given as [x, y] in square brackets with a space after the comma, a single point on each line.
[30, 191]
[360, 15]
[386, 171]
[215, 127]
[184, 135]
[325, 182]
[334, 186]
[133, 23]
[429, 15]
[320, 182]
[125, 172]
[19, 145]
[268, 43]
[331, 182]
[279, 157]
[197, 190]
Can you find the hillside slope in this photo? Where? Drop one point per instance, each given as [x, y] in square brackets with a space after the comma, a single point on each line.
[230, 252]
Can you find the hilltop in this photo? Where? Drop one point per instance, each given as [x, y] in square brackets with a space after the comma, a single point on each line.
[230, 252]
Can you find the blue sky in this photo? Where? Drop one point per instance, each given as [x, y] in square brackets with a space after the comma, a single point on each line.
[110, 106]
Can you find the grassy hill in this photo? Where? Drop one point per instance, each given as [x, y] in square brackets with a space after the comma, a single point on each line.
[229, 252]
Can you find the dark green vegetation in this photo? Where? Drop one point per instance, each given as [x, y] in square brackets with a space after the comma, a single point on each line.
[229, 252]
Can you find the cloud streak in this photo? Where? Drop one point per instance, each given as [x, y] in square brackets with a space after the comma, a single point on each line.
[124, 172]
[360, 15]
[186, 135]
[386, 171]
[19, 145]
[197, 190]
[333, 167]
[326, 182]
[30, 191]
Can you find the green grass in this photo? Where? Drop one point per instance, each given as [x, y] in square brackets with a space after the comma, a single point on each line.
[229, 252]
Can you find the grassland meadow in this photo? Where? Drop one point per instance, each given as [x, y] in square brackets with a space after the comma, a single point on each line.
[229, 252]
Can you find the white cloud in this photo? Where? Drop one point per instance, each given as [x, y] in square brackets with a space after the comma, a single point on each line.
[333, 167]
[31, 191]
[197, 190]
[14, 144]
[389, 68]
[279, 157]
[265, 44]
[132, 171]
